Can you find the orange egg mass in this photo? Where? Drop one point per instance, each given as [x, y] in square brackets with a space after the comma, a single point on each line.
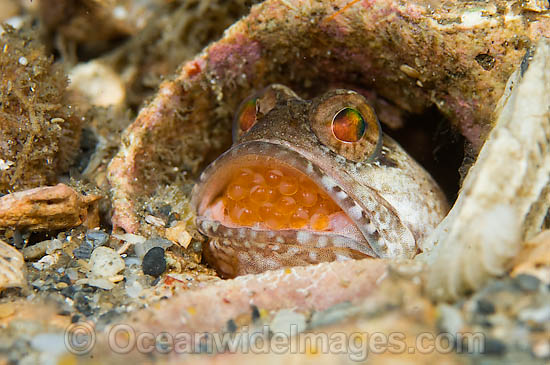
[277, 198]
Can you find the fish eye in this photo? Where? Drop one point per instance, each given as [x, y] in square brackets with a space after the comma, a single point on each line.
[254, 107]
[348, 125]
[247, 115]
[344, 121]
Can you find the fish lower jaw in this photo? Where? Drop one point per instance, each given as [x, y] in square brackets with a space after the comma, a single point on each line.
[248, 237]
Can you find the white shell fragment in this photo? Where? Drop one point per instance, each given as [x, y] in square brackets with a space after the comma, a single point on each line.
[105, 262]
[503, 198]
[179, 234]
[11, 267]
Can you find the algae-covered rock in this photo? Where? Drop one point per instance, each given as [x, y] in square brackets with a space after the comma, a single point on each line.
[39, 133]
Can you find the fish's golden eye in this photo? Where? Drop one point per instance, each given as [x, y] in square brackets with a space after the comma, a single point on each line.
[344, 121]
[348, 125]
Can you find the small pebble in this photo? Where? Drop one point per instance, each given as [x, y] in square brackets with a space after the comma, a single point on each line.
[65, 279]
[141, 249]
[154, 262]
[35, 251]
[231, 326]
[53, 245]
[38, 283]
[84, 251]
[255, 313]
[68, 292]
[61, 285]
[72, 274]
[538, 315]
[45, 262]
[165, 210]
[407, 268]
[494, 347]
[485, 307]
[197, 246]
[132, 260]
[527, 282]
[105, 262]
[100, 282]
[96, 238]
[133, 289]
[120, 13]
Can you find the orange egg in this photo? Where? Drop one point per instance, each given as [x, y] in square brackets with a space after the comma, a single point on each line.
[286, 205]
[278, 197]
[299, 218]
[319, 221]
[307, 197]
[277, 220]
[259, 194]
[273, 177]
[266, 211]
[236, 192]
[244, 176]
[288, 185]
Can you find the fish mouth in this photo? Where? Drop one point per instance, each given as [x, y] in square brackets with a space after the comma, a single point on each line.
[336, 221]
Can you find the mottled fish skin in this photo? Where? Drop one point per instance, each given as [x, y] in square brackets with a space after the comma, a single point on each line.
[393, 201]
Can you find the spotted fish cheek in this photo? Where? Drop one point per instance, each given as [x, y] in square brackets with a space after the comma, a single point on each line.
[386, 233]
[231, 258]
[220, 254]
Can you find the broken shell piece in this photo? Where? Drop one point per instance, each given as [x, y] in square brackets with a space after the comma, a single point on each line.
[11, 267]
[45, 262]
[48, 208]
[503, 196]
[155, 221]
[99, 282]
[105, 262]
[179, 234]
[534, 258]
[130, 238]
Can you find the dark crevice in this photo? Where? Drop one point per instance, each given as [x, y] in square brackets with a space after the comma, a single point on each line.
[436, 145]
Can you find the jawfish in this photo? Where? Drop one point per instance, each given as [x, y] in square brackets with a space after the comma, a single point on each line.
[308, 181]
